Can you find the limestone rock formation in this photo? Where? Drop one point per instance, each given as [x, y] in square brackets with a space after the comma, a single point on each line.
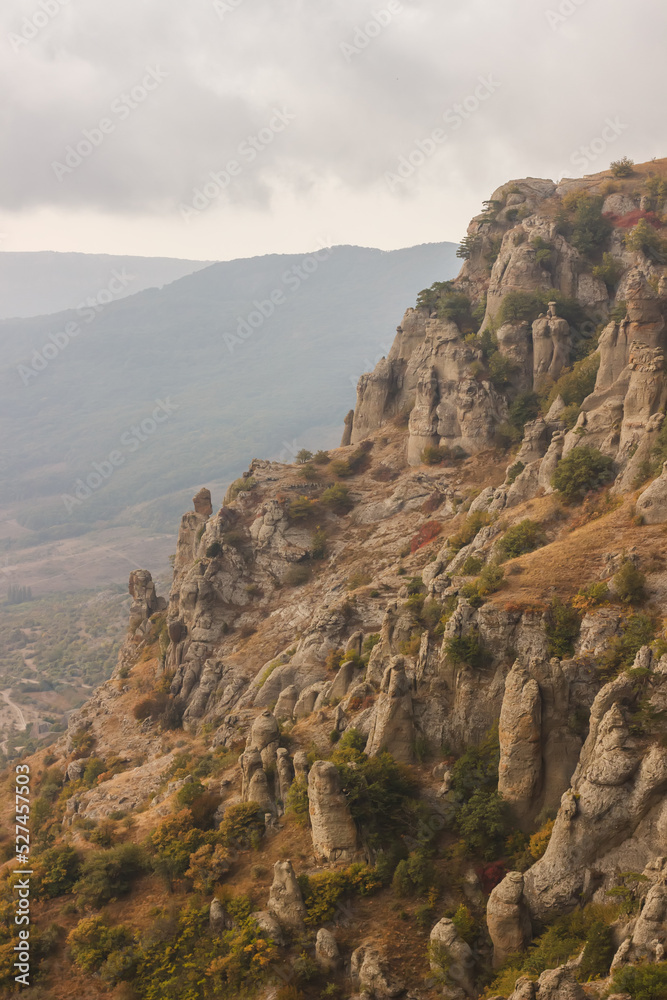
[145, 601]
[393, 722]
[520, 732]
[652, 503]
[368, 972]
[551, 346]
[327, 953]
[285, 899]
[333, 830]
[450, 952]
[507, 918]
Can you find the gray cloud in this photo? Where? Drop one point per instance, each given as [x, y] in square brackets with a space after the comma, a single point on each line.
[356, 112]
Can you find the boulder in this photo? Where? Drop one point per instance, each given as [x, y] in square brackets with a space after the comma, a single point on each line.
[327, 954]
[268, 923]
[369, 973]
[333, 830]
[285, 899]
[218, 917]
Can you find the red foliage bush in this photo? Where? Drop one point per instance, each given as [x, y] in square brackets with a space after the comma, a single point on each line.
[630, 220]
[426, 534]
[491, 875]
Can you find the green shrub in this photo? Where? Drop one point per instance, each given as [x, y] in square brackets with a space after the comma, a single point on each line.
[318, 545]
[482, 823]
[303, 456]
[501, 371]
[622, 167]
[526, 536]
[468, 530]
[514, 472]
[297, 802]
[301, 508]
[466, 649]
[610, 271]
[241, 486]
[488, 582]
[642, 982]
[415, 875]
[598, 952]
[379, 791]
[56, 872]
[435, 454]
[242, 825]
[575, 383]
[337, 499]
[341, 468]
[636, 631]
[108, 874]
[297, 575]
[472, 566]
[590, 230]
[464, 922]
[629, 583]
[582, 470]
[92, 941]
[214, 550]
[563, 623]
[647, 240]
[321, 458]
[323, 891]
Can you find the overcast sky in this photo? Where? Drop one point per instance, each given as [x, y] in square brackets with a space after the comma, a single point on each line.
[115, 114]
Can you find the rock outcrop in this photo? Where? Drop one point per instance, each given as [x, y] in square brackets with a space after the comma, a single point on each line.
[507, 918]
[285, 899]
[392, 727]
[333, 830]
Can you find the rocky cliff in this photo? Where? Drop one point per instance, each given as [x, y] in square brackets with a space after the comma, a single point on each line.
[400, 727]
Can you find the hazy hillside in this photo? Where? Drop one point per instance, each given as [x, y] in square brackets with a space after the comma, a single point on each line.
[228, 395]
[34, 284]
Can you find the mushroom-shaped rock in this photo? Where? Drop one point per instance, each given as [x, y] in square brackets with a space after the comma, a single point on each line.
[507, 918]
[449, 951]
[333, 830]
[327, 954]
[652, 503]
[202, 502]
[520, 732]
[285, 899]
[392, 727]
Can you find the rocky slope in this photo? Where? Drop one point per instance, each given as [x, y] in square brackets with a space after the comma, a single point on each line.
[399, 728]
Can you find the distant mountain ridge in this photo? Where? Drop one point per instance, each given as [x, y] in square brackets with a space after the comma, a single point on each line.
[42, 282]
[253, 356]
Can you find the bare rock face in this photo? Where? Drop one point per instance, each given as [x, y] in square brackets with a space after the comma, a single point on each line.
[393, 721]
[347, 433]
[551, 346]
[268, 923]
[520, 732]
[218, 917]
[507, 918]
[265, 736]
[287, 700]
[333, 830]
[449, 950]
[649, 936]
[285, 899]
[327, 954]
[202, 503]
[610, 817]
[285, 772]
[652, 503]
[555, 984]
